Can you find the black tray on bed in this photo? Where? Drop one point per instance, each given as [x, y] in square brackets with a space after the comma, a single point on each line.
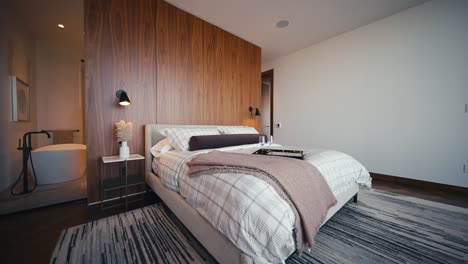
[296, 154]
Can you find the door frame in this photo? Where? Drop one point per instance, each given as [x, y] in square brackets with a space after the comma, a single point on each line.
[270, 73]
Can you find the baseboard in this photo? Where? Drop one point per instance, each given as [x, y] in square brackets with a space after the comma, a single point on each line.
[418, 183]
[80, 200]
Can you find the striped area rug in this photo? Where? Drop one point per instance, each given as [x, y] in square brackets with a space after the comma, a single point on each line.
[146, 235]
[380, 228]
[390, 228]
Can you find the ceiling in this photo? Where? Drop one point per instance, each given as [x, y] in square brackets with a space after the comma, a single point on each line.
[42, 17]
[311, 21]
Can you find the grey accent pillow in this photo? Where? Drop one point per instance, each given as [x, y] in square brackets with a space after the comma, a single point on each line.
[179, 137]
[221, 141]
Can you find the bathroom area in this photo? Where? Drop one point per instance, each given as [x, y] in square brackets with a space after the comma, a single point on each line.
[42, 102]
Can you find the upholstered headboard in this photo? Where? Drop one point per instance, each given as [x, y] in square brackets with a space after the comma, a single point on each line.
[152, 136]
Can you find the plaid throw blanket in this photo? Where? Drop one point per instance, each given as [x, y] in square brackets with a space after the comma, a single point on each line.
[247, 210]
[297, 181]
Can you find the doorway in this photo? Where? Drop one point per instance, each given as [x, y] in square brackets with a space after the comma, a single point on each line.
[267, 103]
[45, 40]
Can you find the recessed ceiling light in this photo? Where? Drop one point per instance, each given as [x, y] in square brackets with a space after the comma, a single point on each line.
[282, 24]
[61, 26]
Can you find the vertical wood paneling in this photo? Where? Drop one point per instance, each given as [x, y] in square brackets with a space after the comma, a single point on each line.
[120, 54]
[179, 52]
[214, 51]
[249, 63]
[175, 67]
[205, 74]
[235, 63]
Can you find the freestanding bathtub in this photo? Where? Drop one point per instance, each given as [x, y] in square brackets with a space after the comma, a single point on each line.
[59, 163]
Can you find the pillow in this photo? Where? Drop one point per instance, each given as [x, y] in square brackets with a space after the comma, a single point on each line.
[161, 147]
[220, 141]
[179, 137]
[237, 130]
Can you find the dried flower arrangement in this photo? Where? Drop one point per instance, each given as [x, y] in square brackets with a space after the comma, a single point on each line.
[123, 131]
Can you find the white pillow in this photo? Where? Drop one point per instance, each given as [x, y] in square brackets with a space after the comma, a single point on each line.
[161, 147]
[180, 137]
[237, 130]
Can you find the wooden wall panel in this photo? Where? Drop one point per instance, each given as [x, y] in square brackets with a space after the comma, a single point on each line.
[235, 63]
[204, 75]
[179, 52]
[248, 66]
[216, 50]
[120, 54]
[175, 67]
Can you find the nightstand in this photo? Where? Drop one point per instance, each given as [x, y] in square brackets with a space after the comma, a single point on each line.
[124, 181]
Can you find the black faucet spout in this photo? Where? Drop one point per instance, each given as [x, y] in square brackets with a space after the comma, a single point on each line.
[27, 148]
[45, 132]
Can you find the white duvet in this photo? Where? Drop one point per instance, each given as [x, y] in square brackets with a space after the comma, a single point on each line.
[247, 210]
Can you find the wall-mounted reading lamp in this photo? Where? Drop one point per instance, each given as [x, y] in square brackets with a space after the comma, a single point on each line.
[123, 98]
[257, 112]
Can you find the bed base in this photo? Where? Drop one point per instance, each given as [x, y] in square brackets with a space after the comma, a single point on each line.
[222, 249]
[214, 242]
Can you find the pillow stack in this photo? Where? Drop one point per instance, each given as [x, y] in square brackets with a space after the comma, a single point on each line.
[161, 147]
[229, 130]
[178, 138]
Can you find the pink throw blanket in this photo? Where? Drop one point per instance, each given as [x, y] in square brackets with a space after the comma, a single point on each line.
[297, 181]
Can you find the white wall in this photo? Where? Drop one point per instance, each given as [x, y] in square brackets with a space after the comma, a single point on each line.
[16, 58]
[391, 94]
[59, 101]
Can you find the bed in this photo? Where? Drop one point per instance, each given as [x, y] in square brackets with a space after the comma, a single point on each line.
[220, 247]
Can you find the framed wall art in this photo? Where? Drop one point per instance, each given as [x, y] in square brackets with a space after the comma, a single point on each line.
[20, 100]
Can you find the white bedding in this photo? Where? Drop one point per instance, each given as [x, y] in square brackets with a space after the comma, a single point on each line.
[247, 210]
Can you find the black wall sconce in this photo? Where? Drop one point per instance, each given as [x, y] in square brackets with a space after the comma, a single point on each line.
[257, 111]
[123, 98]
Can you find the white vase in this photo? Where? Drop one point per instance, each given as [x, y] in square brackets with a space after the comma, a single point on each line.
[124, 150]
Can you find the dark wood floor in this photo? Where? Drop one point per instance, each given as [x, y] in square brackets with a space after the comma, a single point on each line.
[30, 237]
[452, 198]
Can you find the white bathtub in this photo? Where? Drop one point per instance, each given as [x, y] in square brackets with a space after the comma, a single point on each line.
[59, 163]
